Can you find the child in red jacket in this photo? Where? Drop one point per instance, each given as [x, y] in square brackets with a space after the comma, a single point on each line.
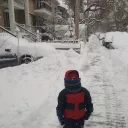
[74, 102]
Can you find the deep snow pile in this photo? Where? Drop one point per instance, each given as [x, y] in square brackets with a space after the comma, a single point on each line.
[34, 48]
[28, 93]
[26, 90]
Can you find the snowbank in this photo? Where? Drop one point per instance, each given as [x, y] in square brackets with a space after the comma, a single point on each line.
[28, 93]
[119, 39]
[34, 48]
[26, 90]
[43, 49]
[64, 45]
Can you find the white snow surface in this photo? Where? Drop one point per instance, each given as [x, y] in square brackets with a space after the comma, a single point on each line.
[28, 93]
[34, 48]
[65, 45]
[119, 39]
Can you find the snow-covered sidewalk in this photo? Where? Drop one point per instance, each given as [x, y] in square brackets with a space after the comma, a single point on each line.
[109, 110]
[28, 93]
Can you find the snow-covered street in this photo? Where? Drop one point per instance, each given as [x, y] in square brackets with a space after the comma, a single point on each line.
[28, 93]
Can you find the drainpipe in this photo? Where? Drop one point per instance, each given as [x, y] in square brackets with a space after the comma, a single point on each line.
[53, 18]
[11, 15]
[77, 15]
[27, 18]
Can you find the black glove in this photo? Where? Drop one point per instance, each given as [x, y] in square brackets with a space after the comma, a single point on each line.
[87, 115]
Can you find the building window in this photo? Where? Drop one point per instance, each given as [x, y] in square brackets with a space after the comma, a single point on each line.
[6, 20]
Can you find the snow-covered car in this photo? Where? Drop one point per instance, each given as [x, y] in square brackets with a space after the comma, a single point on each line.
[14, 51]
[107, 42]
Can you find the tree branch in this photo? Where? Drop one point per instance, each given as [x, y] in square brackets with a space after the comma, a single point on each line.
[96, 7]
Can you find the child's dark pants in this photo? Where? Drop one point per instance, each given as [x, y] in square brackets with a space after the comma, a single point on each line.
[69, 123]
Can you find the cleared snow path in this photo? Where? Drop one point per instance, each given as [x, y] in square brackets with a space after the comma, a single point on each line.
[98, 74]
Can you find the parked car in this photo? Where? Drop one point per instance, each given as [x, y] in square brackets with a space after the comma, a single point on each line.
[14, 52]
[107, 44]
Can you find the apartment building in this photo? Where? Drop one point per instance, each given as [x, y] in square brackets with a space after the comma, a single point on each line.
[44, 8]
[12, 11]
[30, 13]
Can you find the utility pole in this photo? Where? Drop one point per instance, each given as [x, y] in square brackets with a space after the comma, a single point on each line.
[53, 18]
[11, 15]
[77, 15]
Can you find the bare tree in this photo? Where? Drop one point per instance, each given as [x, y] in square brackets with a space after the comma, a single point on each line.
[106, 15]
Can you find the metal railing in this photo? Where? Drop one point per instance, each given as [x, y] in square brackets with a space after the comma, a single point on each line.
[27, 34]
[19, 2]
[7, 32]
[56, 32]
[5, 35]
[43, 4]
[40, 2]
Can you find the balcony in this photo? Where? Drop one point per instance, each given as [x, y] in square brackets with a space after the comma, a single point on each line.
[46, 1]
[18, 4]
[43, 7]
